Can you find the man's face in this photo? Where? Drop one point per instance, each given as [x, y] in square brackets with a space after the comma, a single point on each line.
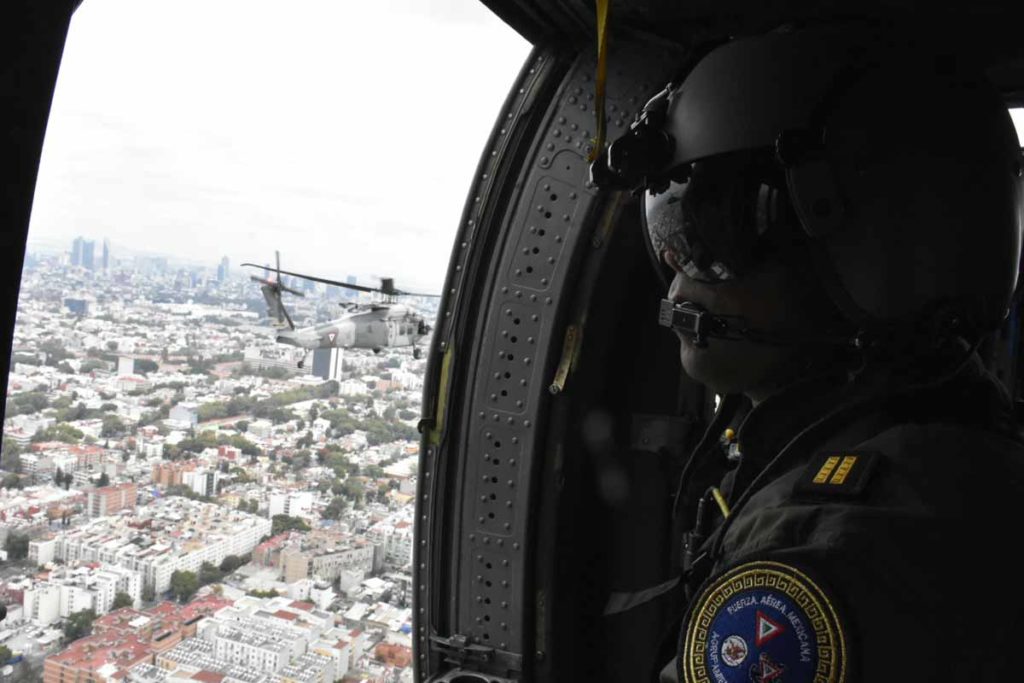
[769, 299]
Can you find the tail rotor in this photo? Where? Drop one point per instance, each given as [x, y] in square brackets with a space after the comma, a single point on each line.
[272, 289]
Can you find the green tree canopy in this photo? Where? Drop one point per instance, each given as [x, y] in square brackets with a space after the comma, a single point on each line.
[208, 573]
[58, 432]
[184, 585]
[232, 562]
[122, 600]
[112, 426]
[78, 625]
[282, 523]
[16, 546]
[335, 509]
[144, 366]
[10, 456]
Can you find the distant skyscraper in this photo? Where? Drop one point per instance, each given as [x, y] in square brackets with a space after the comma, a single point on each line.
[327, 363]
[222, 269]
[351, 293]
[88, 254]
[106, 255]
[76, 251]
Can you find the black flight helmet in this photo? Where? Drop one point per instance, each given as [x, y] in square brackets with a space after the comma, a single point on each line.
[897, 168]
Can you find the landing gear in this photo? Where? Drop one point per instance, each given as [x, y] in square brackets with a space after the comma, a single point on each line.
[302, 361]
[416, 353]
[376, 350]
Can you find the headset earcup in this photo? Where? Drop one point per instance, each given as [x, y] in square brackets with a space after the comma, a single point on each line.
[815, 197]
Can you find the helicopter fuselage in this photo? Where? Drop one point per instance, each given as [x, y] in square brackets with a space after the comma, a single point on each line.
[378, 326]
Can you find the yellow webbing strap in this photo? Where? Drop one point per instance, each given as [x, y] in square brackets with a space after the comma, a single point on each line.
[570, 347]
[602, 76]
[434, 435]
[720, 499]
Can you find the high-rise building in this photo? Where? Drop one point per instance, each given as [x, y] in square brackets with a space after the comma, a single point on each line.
[350, 293]
[110, 499]
[327, 363]
[222, 269]
[88, 254]
[76, 251]
[106, 256]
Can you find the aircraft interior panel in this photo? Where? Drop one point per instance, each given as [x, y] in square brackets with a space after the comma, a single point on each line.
[504, 618]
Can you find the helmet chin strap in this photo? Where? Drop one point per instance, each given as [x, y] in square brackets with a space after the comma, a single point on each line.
[694, 321]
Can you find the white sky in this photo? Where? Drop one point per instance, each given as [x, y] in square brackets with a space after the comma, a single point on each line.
[344, 134]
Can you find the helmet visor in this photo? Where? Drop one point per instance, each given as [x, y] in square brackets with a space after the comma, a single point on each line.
[711, 226]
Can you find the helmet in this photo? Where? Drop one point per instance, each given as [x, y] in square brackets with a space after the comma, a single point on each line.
[900, 171]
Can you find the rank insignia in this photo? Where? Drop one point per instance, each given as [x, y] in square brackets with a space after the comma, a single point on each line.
[763, 622]
[837, 474]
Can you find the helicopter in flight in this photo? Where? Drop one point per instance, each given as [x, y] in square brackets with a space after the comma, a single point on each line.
[378, 325]
[552, 435]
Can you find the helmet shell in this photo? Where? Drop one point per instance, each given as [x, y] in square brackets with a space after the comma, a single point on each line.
[903, 168]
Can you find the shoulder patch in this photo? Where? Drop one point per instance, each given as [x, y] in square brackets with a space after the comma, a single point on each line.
[763, 622]
[837, 474]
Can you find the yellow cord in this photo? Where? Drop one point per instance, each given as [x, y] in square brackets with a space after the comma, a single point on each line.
[602, 76]
[720, 499]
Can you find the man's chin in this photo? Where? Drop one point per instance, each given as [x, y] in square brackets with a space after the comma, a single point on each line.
[713, 365]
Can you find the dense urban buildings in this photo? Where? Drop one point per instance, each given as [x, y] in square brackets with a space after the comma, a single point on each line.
[180, 501]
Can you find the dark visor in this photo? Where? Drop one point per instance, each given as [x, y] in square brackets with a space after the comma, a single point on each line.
[713, 224]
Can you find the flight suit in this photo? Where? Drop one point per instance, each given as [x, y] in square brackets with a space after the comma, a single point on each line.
[856, 533]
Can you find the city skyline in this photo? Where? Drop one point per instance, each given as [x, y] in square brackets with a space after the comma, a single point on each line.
[231, 148]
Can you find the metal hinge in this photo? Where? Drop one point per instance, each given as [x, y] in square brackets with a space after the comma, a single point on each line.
[458, 650]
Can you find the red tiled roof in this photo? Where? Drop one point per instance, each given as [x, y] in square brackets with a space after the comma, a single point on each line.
[207, 677]
[281, 614]
[299, 604]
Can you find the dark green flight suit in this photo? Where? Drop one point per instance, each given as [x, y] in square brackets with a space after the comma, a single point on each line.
[863, 534]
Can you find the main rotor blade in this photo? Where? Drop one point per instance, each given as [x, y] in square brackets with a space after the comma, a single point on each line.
[346, 285]
[291, 325]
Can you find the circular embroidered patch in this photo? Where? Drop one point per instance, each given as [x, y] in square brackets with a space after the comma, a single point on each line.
[763, 622]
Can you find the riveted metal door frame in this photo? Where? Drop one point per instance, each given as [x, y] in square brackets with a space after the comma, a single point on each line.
[527, 225]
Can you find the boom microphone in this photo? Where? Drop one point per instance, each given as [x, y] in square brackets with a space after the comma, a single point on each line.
[694, 321]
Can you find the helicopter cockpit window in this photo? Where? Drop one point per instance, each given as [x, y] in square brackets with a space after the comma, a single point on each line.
[158, 383]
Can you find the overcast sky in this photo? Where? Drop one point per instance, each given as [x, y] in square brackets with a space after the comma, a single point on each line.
[344, 134]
